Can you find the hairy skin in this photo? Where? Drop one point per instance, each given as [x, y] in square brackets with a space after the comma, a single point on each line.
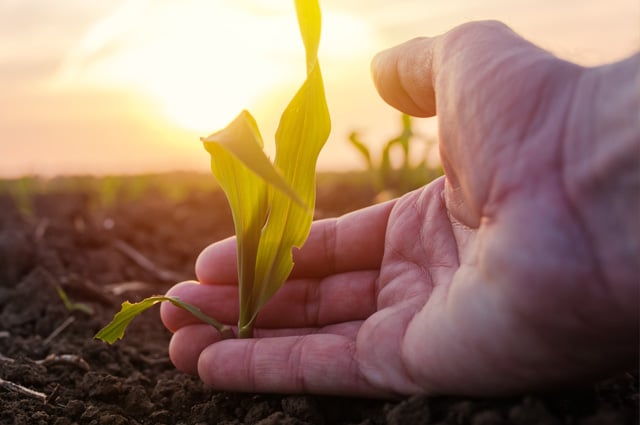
[518, 271]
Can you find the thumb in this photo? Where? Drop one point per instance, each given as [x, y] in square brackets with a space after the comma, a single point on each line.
[404, 79]
[405, 75]
[483, 80]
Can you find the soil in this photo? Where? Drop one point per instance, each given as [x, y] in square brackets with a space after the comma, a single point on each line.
[100, 252]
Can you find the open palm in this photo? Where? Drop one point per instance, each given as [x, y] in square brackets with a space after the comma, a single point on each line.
[489, 281]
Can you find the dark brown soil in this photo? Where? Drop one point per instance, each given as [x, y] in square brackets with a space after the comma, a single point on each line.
[85, 242]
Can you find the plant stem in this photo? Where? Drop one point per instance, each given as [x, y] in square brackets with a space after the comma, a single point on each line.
[246, 331]
[226, 332]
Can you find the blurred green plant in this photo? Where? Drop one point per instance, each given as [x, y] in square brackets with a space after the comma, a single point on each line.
[389, 181]
[22, 190]
[108, 189]
[72, 305]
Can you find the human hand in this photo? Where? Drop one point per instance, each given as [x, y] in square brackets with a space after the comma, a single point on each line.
[517, 271]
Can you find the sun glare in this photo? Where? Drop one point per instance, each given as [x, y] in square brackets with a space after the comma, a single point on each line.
[202, 61]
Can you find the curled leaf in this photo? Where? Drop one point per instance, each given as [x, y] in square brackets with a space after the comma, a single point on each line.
[114, 330]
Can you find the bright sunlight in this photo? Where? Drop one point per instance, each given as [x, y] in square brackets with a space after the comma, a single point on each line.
[202, 61]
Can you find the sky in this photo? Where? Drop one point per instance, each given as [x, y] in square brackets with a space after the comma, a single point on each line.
[129, 86]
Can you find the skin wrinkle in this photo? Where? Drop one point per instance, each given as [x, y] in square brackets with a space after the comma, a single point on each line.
[390, 250]
[413, 379]
[355, 364]
[375, 289]
[332, 259]
[329, 242]
[424, 276]
[252, 349]
[330, 238]
[451, 191]
[312, 303]
[364, 360]
[381, 299]
[523, 140]
[393, 252]
[296, 355]
[402, 309]
[466, 204]
[457, 230]
[426, 272]
[532, 125]
[501, 144]
[412, 63]
[450, 221]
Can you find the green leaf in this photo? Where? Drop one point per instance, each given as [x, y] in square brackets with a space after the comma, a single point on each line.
[128, 311]
[303, 130]
[243, 171]
[73, 306]
[242, 139]
[272, 204]
[310, 23]
[362, 148]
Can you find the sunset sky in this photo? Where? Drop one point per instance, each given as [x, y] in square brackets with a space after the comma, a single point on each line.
[128, 86]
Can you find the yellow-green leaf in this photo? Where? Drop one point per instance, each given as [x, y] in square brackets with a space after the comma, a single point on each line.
[310, 23]
[242, 139]
[303, 130]
[272, 204]
[247, 196]
[114, 330]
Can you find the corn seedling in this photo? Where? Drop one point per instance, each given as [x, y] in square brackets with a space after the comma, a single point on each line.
[71, 305]
[22, 191]
[398, 180]
[271, 203]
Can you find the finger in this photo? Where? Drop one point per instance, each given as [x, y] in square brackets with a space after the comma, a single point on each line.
[484, 82]
[321, 363]
[189, 341]
[406, 75]
[352, 242]
[187, 344]
[217, 263]
[403, 77]
[372, 364]
[299, 303]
